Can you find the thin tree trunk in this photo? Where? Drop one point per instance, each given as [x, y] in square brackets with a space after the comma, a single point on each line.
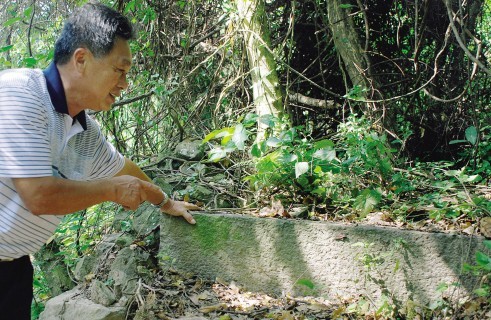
[356, 61]
[267, 94]
[347, 43]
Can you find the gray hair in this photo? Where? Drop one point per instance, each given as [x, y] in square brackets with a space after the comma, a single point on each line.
[93, 26]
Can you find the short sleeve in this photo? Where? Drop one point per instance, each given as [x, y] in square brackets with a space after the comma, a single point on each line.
[24, 144]
[100, 159]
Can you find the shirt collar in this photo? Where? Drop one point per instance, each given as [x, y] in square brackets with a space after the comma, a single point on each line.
[57, 93]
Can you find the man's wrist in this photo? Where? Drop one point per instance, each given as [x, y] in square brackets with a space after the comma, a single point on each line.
[163, 202]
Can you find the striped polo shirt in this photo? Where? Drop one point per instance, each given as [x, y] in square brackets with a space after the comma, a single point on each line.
[37, 139]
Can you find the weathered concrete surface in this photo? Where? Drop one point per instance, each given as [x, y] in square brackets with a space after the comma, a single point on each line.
[272, 255]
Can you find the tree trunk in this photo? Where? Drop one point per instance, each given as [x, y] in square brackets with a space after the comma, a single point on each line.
[267, 94]
[347, 43]
[356, 62]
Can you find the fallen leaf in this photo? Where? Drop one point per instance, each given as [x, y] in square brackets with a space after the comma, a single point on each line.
[212, 308]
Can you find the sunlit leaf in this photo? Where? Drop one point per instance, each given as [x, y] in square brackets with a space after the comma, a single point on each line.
[301, 168]
[215, 134]
[217, 154]
[367, 200]
[287, 158]
[273, 142]
[240, 136]
[325, 154]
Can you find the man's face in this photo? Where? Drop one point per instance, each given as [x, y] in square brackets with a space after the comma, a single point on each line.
[106, 76]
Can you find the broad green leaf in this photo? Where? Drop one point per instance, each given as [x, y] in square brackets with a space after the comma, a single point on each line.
[471, 135]
[367, 200]
[287, 158]
[240, 136]
[30, 62]
[273, 142]
[250, 120]
[483, 260]
[323, 144]
[325, 154]
[256, 150]
[301, 168]
[289, 135]
[487, 243]
[268, 120]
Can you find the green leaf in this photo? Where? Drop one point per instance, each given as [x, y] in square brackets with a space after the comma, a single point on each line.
[367, 200]
[10, 22]
[306, 282]
[323, 144]
[268, 120]
[483, 261]
[256, 150]
[471, 135]
[487, 243]
[301, 168]
[482, 292]
[457, 141]
[346, 6]
[325, 154]
[442, 287]
[6, 48]
[250, 120]
[240, 136]
[273, 142]
[215, 134]
[28, 12]
[287, 158]
[217, 154]
[30, 62]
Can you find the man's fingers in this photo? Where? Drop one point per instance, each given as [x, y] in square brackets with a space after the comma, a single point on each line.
[191, 206]
[189, 218]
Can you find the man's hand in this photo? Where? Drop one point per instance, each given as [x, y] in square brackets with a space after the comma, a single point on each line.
[180, 209]
[130, 191]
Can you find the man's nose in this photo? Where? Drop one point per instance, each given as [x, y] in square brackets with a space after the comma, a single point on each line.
[123, 82]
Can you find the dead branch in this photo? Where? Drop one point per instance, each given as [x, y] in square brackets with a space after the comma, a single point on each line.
[312, 102]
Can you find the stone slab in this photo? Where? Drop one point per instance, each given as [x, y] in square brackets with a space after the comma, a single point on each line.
[333, 260]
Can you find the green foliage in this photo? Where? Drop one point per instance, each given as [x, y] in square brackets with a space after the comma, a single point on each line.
[301, 168]
[482, 268]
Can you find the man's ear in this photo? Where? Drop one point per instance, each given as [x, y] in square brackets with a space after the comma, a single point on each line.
[80, 58]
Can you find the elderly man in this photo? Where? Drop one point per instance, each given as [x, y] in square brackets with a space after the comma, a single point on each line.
[53, 158]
